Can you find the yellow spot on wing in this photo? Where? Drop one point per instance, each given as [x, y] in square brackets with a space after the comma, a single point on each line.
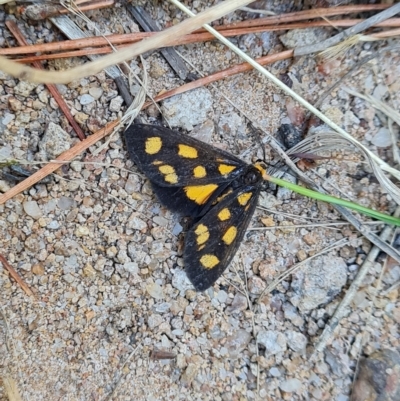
[225, 169]
[169, 174]
[224, 214]
[187, 151]
[200, 193]
[202, 234]
[209, 261]
[157, 162]
[199, 172]
[230, 235]
[153, 145]
[244, 198]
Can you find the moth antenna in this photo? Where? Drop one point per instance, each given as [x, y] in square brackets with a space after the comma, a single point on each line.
[257, 134]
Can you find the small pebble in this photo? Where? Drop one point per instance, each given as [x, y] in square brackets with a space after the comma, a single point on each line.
[378, 377]
[53, 225]
[96, 93]
[4, 186]
[222, 296]
[54, 141]
[273, 341]
[8, 117]
[38, 269]
[115, 104]
[155, 290]
[81, 231]
[275, 372]
[32, 209]
[238, 304]
[237, 342]
[290, 385]
[131, 267]
[65, 203]
[86, 99]
[296, 341]
[382, 139]
[24, 88]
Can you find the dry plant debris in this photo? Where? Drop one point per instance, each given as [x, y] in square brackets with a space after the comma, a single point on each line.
[103, 257]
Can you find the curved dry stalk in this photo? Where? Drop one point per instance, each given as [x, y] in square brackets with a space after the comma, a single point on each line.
[378, 104]
[320, 142]
[159, 40]
[341, 48]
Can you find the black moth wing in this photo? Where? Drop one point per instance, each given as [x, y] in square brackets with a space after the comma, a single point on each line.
[172, 171]
[240, 216]
[207, 157]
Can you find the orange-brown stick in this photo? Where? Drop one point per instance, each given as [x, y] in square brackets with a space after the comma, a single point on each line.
[15, 276]
[12, 26]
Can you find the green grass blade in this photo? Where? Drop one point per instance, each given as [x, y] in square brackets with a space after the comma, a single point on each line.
[337, 201]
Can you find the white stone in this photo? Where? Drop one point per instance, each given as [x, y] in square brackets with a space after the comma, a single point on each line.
[32, 209]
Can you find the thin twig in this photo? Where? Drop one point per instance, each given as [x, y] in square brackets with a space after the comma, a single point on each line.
[330, 226]
[377, 104]
[221, 75]
[51, 167]
[122, 374]
[362, 26]
[12, 26]
[95, 44]
[38, 12]
[391, 288]
[307, 15]
[16, 276]
[253, 322]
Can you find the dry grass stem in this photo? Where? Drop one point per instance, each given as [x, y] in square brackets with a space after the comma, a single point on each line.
[38, 12]
[158, 40]
[16, 276]
[98, 45]
[11, 389]
[340, 49]
[331, 226]
[362, 26]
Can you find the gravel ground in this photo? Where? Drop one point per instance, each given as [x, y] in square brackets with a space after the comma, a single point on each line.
[104, 257]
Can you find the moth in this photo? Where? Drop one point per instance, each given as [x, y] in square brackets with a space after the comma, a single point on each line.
[216, 189]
